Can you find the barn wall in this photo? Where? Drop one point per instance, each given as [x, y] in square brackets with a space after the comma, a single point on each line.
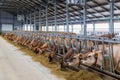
[6, 21]
[6, 18]
[7, 27]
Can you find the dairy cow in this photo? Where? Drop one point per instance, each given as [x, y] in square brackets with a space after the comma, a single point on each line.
[96, 57]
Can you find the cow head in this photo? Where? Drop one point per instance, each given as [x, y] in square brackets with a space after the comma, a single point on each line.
[91, 59]
[76, 60]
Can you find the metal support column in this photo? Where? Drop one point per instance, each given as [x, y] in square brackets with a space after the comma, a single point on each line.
[55, 14]
[58, 28]
[30, 21]
[84, 21]
[23, 28]
[27, 22]
[44, 28]
[72, 27]
[21, 25]
[47, 17]
[40, 27]
[111, 26]
[67, 16]
[84, 18]
[0, 22]
[93, 27]
[13, 23]
[82, 29]
[111, 30]
[64, 28]
[34, 27]
[52, 27]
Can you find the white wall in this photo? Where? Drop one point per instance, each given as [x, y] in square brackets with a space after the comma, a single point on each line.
[27, 27]
[7, 27]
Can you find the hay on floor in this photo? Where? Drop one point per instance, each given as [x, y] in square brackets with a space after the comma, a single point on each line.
[55, 67]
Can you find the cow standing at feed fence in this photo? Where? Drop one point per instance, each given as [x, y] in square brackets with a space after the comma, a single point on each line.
[96, 57]
[71, 58]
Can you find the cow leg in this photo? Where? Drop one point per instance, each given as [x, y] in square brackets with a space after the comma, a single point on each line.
[117, 67]
[50, 57]
[63, 65]
[36, 50]
[40, 51]
[68, 54]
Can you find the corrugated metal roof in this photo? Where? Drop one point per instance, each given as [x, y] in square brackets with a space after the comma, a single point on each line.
[95, 9]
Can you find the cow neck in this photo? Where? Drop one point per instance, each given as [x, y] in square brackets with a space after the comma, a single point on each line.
[95, 61]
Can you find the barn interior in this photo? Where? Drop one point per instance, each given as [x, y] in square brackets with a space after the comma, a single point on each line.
[80, 37]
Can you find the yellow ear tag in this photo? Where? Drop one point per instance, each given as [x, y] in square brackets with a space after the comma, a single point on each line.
[80, 56]
[96, 55]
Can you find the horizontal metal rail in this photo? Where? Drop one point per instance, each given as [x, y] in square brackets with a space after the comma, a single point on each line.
[116, 76]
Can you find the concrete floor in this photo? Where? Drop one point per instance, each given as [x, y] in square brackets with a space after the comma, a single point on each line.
[16, 66]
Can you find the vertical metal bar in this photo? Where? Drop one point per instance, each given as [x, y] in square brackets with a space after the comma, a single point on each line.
[23, 27]
[0, 22]
[52, 27]
[34, 27]
[81, 29]
[93, 27]
[84, 21]
[40, 27]
[67, 16]
[58, 28]
[84, 18]
[111, 26]
[64, 28]
[27, 22]
[30, 20]
[72, 27]
[55, 14]
[21, 24]
[111, 30]
[47, 16]
[112, 58]
[103, 53]
[13, 23]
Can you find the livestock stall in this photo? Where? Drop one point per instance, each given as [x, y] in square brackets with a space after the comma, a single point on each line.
[74, 34]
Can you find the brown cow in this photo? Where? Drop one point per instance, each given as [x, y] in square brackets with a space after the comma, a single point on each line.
[92, 59]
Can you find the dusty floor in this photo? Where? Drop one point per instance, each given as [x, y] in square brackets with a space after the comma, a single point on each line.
[16, 66]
